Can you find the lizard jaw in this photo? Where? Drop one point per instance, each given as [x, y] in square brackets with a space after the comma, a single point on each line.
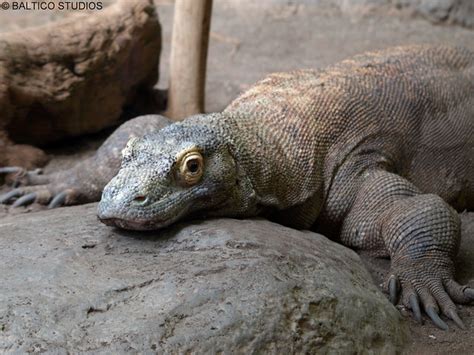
[132, 225]
[137, 223]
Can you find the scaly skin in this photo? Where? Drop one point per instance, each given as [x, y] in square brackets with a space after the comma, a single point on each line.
[373, 150]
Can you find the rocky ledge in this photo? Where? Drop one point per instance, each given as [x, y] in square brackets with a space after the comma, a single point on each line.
[70, 283]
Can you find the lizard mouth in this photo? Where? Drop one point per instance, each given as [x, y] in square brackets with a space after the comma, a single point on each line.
[140, 225]
[167, 215]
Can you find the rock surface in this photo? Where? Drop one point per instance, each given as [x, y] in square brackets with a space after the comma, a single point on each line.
[459, 12]
[76, 75]
[70, 283]
[447, 12]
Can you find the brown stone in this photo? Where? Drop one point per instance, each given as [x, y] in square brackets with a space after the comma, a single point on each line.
[76, 75]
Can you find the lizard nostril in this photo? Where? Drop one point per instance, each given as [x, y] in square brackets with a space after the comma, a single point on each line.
[140, 199]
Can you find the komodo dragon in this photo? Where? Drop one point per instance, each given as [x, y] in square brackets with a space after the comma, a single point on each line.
[371, 150]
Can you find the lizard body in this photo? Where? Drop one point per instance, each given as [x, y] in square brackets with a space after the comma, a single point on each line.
[375, 150]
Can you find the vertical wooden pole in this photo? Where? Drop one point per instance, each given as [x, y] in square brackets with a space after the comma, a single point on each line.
[189, 44]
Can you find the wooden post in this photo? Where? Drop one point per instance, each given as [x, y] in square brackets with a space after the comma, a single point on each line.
[189, 44]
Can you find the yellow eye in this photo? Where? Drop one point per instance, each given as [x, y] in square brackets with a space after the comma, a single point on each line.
[191, 167]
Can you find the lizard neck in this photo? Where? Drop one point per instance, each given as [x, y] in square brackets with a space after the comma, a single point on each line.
[283, 170]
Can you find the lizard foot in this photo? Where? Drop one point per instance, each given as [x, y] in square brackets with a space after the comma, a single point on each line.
[36, 188]
[42, 194]
[431, 284]
[83, 182]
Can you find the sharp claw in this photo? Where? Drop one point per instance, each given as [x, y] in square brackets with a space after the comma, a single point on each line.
[393, 289]
[10, 169]
[415, 307]
[430, 311]
[58, 200]
[469, 292]
[25, 200]
[454, 316]
[9, 195]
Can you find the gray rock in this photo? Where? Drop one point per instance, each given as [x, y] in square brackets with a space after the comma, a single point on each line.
[436, 11]
[459, 12]
[71, 284]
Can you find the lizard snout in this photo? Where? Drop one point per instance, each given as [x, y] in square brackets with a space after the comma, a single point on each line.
[129, 203]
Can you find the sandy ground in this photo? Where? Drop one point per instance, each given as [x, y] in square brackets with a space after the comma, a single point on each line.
[248, 41]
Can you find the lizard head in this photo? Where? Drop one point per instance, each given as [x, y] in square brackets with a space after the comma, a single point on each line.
[165, 176]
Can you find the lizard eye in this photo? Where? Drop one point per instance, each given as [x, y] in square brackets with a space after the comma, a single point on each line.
[191, 167]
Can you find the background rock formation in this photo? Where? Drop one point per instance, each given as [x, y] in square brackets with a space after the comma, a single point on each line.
[75, 76]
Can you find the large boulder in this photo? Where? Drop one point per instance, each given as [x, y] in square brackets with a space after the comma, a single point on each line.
[70, 283]
[76, 75]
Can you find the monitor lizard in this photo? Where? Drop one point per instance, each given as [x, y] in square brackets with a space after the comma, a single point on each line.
[376, 151]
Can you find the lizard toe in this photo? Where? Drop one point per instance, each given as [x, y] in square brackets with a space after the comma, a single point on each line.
[459, 293]
[24, 177]
[415, 307]
[12, 170]
[61, 198]
[24, 196]
[469, 292]
[433, 314]
[410, 300]
[431, 307]
[393, 289]
[25, 200]
[456, 319]
[9, 196]
[448, 307]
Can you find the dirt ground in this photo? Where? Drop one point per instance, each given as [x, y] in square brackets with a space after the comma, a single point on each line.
[248, 41]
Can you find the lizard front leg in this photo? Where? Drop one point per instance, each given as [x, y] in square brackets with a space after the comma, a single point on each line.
[85, 181]
[420, 232]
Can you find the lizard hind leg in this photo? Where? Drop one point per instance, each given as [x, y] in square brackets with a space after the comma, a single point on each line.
[83, 182]
[421, 233]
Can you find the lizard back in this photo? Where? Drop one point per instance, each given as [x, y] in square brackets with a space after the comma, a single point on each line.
[411, 105]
